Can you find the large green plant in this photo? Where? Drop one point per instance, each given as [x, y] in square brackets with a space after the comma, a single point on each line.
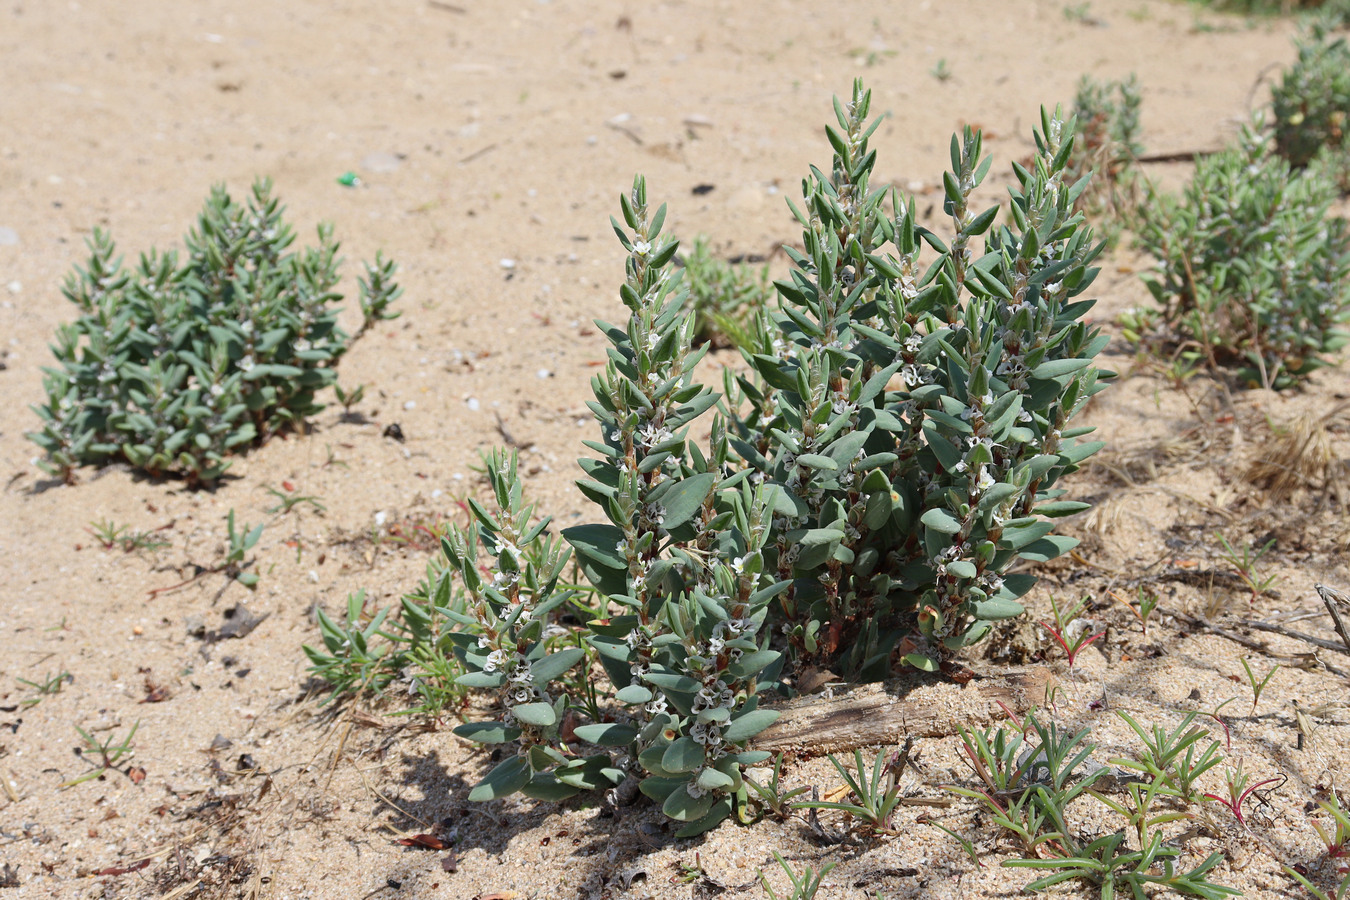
[173, 367]
[891, 450]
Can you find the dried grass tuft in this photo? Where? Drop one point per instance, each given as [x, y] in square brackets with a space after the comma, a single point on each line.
[1299, 454]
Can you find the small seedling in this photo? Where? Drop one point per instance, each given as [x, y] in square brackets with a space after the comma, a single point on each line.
[940, 71]
[108, 754]
[288, 501]
[51, 684]
[1060, 630]
[770, 795]
[1148, 602]
[687, 873]
[805, 883]
[1257, 686]
[110, 535]
[349, 399]
[1244, 564]
[1337, 841]
[1239, 789]
[240, 542]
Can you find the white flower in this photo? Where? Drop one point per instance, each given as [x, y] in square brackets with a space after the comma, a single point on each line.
[246, 364]
[301, 345]
[986, 481]
[641, 248]
[495, 660]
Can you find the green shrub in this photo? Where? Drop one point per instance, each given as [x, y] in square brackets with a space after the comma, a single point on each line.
[1311, 104]
[892, 450]
[725, 297]
[173, 367]
[1251, 267]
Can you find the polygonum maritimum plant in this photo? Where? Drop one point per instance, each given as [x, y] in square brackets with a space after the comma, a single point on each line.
[891, 449]
[176, 365]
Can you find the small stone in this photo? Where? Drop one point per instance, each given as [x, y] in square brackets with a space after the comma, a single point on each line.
[8, 236]
[472, 404]
[196, 625]
[136, 629]
[409, 405]
[15, 287]
[507, 263]
[544, 373]
[380, 517]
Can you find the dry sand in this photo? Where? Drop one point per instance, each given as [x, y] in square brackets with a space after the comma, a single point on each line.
[485, 132]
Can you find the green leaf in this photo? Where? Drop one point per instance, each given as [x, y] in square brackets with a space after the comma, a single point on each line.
[546, 786]
[481, 679]
[683, 755]
[711, 819]
[1049, 547]
[993, 610]
[553, 665]
[607, 734]
[487, 732]
[683, 500]
[508, 777]
[540, 714]
[633, 694]
[1057, 368]
[942, 521]
[749, 724]
[684, 807]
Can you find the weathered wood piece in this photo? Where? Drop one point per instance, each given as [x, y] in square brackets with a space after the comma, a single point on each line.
[916, 704]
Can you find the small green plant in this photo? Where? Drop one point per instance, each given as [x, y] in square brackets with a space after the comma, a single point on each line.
[1080, 13]
[725, 297]
[1143, 611]
[107, 754]
[1336, 838]
[877, 791]
[1173, 759]
[1244, 563]
[805, 883]
[240, 541]
[174, 365]
[771, 796]
[940, 70]
[1311, 104]
[110, 535]
[49, 685]
[288, 500]
[348, 399]
[372, 650]
[377, 291]
[1070, 630]
[1252, 268]
[1256, 685]
[1239, 789]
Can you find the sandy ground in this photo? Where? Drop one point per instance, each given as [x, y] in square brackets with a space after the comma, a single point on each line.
[485, 133]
